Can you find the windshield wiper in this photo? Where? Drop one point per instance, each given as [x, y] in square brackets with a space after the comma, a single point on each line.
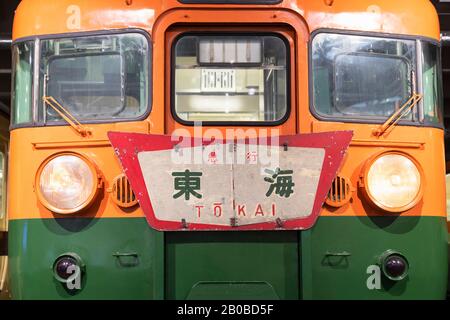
[66, 115]
[389, 124]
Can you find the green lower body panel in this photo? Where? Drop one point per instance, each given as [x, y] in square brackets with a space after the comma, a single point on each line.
[336, 259]
[422, 240]
[448, 285]
[35, 244]
[236, 265]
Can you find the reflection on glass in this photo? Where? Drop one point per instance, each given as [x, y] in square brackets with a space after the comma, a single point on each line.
[432, 84]
[230, 78]
[2, 186]
[358, 89]
[96, 77]
[102, 89]
[22, 79]
[357, 76]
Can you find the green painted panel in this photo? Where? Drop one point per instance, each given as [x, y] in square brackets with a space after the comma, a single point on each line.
[448, 280]
[251, 265]
[200, 265]
[237, 290]
[423, 240]
[34, 245]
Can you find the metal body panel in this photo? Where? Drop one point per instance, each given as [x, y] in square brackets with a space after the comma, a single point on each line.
[218, 265]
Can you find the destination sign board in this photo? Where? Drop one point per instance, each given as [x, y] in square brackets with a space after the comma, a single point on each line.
[230, 186]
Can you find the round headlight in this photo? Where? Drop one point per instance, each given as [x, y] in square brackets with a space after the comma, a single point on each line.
[66, 183]
[393, 182]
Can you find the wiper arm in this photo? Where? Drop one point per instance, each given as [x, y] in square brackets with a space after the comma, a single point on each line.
[66, 115]
[387, 126]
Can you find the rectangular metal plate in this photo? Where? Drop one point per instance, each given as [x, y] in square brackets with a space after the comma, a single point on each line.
[218, 80]
[239, 194]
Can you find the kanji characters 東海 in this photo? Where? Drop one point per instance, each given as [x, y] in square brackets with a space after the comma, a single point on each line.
[187, 183]
[280, 182]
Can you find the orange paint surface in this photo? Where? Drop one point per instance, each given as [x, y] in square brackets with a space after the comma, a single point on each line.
[295, 20]
[412, 17]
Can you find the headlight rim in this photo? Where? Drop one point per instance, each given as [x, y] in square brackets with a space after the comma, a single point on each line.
[95, 174]
[71, 255]
[392, 253]
[377, 204]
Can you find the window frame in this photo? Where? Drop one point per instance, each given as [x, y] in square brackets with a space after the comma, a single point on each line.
[418, 116]
[282, 120]
[37, 81]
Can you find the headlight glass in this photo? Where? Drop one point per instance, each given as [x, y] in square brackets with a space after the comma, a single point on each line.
[67, 183]
[393, 181]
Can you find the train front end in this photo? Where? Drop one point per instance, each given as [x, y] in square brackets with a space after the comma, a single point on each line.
[261, 150]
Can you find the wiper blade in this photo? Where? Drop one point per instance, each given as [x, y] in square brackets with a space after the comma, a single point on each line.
[66, 115]
[389, 124]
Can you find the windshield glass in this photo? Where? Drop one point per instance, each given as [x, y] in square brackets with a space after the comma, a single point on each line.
[96, 77]
[361, 77]
[230, 78]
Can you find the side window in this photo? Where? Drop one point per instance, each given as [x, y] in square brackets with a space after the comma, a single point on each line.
[433, 104]
[22, 82]
[2, 185]
[226, 78]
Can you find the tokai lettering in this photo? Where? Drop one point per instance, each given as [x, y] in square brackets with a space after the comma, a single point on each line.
[199, 208]
[259, 210]
[240, 210]
[217, 209]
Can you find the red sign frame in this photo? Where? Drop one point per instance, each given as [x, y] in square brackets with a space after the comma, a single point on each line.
[128, 145]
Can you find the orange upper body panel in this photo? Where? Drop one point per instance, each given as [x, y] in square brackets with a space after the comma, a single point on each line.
[412, 17]
[31, 146]
[295, 20]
